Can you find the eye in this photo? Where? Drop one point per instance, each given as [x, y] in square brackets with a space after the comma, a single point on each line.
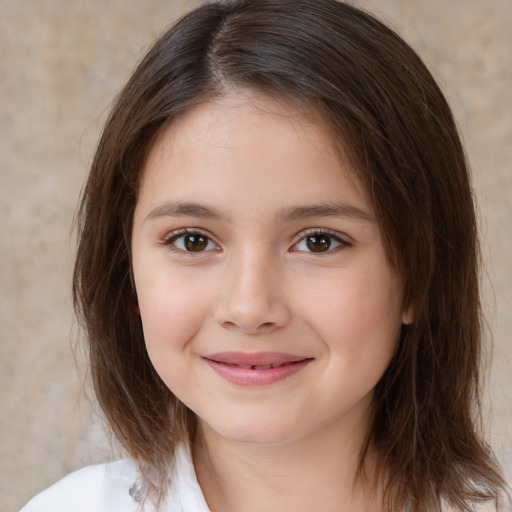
[319, 242]
[191, 241]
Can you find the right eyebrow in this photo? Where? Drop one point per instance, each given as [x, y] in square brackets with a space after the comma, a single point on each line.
[184, 209]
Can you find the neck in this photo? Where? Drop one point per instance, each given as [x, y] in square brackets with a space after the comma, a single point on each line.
[317, 472]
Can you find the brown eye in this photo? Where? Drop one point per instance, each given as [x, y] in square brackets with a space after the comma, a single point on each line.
[191, 242]
[195, 243]
[318, 243]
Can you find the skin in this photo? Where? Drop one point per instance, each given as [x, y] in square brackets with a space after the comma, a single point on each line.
[257, 177]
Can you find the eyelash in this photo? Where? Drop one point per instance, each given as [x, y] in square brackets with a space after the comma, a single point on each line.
[318, 232]
[173, 237]
[302, 237]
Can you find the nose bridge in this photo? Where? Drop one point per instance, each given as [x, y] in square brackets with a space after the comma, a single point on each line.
[252, 298]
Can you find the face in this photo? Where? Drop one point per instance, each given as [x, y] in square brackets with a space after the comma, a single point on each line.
[267, 302]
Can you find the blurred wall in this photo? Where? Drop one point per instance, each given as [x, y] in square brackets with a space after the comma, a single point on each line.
[61, 63]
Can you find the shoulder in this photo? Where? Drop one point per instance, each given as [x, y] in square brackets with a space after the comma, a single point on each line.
[100, 488]
[114, 487]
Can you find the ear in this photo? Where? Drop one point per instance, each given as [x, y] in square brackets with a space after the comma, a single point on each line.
[408, 316]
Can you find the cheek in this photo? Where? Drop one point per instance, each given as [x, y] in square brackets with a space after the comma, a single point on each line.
[356, 313]
[172, 307]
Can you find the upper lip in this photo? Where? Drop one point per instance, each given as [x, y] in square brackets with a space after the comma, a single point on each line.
[255, 358]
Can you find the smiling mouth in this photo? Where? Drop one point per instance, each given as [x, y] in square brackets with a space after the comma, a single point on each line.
[258, 366]
[257, 369]
[256, 360]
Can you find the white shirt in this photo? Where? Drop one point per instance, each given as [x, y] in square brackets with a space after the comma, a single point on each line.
[106, 488]
[109, 488]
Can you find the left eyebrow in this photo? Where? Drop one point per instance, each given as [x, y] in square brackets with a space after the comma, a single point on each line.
[325, 210]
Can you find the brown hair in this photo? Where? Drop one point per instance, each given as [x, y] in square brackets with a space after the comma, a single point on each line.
[387, 112]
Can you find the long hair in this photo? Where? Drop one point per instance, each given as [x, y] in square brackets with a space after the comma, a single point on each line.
[384, 110]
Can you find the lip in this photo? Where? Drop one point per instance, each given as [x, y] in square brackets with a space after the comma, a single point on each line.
[256, 369]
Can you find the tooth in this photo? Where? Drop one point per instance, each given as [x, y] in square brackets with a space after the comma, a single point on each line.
[264, 367]
[246, 366]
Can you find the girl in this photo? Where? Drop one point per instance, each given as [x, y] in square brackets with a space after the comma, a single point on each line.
[277, 272]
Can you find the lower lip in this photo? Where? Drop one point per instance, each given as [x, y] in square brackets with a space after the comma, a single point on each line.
[250, 377]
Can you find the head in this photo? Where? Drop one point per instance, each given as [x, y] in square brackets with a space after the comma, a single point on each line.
[386, 116]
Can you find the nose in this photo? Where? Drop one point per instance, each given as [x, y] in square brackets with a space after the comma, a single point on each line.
[252, 297]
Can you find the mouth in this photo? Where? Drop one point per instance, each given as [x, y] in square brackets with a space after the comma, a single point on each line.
[256, 369]
[256, 366]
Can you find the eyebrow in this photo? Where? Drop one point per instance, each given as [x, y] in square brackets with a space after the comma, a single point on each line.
[325, 210]
[184, 209]
[190, 209]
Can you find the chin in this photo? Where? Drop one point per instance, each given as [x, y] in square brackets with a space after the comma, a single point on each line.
[252, 433]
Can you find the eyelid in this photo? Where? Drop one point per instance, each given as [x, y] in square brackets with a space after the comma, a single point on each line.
[172, 236]
[344, 240]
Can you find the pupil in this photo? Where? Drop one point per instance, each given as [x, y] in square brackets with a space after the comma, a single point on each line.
[318, 243]
[196, 243]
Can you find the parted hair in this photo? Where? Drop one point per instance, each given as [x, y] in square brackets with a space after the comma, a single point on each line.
[386, 112]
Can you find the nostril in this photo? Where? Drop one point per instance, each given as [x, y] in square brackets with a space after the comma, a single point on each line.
[252, 317]
[263, 327]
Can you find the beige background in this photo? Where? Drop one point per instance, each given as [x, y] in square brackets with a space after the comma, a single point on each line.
[61, 63]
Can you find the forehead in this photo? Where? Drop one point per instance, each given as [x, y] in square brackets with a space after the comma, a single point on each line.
[242, 124]
[235, 119]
